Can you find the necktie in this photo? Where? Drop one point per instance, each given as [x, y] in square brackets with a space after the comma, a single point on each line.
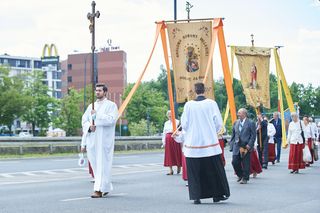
[240, 126]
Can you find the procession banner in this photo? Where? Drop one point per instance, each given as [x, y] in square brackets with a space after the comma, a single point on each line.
[190, 46]
[254, 73]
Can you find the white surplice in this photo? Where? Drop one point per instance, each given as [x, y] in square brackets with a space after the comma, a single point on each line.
[167, 128]
[100, 144]
[201, 121]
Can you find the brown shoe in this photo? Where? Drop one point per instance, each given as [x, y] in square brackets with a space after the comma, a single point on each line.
[96, 194]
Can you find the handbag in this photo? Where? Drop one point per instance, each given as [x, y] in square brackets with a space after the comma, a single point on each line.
[315, 152]
[306, 154]
[302, 133]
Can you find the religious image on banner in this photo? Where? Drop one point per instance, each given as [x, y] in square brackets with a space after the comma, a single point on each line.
[254, 73]
[189, 45]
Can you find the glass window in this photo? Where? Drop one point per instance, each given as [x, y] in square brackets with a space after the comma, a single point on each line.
[58, 84]
[69, 66]
[69, 79]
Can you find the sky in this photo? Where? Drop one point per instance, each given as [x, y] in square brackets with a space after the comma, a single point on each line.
[295, 24]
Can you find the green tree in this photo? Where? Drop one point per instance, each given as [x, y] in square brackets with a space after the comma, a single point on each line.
[146, 101]
[69, 118]
[13, 101]
[141, 128]
[41, 106]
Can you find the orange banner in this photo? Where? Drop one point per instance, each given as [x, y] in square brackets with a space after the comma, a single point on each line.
[138, 82]
[166, 58]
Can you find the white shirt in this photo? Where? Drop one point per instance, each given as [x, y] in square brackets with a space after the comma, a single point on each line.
[314, 130]
[294, 132]
[308, 133]
[201, 121]
[271, 132]
[167, 128]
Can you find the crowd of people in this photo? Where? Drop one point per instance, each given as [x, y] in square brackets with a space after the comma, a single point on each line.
[196, 148]
[253, 145]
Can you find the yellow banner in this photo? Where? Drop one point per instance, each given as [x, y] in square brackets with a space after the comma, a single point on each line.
[254, 73]
[190, 46]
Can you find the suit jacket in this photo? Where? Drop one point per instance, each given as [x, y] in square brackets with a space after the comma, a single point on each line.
[278, 127]
[247, 136]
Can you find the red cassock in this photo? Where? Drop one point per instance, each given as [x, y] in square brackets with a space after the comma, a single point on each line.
[184, 168]
[255, 166]
[296, 157]
[272, 152]
[221, 142]
[172, 152]
[90, 170]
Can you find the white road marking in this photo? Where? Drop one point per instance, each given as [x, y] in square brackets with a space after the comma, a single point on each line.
[87, 198]
[73, 199]
[28, 173]
[6, 175]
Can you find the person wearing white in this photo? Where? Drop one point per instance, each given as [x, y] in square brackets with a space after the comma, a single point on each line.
[271, 146]
[172, 152]
[309, 135]
[201, 121]
[98, 128]
[296, 144]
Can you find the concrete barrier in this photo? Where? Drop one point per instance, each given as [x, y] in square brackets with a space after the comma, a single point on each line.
[40, 145]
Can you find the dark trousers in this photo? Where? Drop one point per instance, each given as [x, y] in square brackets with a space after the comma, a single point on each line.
[278, 141]
[263, 153]
[241, 165]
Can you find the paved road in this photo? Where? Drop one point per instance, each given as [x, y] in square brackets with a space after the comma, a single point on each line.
[53, 185]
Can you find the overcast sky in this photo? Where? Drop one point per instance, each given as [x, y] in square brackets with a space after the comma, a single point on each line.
[295, 24]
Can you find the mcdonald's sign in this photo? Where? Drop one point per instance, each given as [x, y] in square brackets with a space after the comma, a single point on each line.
[49, 49]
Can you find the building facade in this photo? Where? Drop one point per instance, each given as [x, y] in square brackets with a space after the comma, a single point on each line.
[111, 70]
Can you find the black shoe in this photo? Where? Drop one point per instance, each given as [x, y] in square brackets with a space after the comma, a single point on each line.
[265, 167]
[239, 179]
[293, 171]
[197, 201]
[273, 162]
[278, 161]
[218, 199]
[243, 181]
[296, 172]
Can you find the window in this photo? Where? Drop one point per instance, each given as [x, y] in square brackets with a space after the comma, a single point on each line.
[69, 79]
[58, 85]
[54, 75]
[59, 74]
[69, 66]
[45, 82]
[44, 74]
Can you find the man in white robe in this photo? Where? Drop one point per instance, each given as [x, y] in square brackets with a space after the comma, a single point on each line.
[201, 121]
[98, 128]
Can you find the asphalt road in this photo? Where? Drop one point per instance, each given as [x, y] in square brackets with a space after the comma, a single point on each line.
[51, 185]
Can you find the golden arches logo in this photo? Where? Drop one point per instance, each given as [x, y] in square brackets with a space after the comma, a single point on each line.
[49, 50]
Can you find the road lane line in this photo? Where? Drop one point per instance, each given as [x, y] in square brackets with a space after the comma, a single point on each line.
[74, 199]
[7, 175]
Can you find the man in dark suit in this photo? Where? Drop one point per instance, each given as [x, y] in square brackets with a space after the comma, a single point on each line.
[278, 136]
[241, 144]
[262, 127]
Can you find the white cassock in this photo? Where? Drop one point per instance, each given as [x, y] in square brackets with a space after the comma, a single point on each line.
[100, 144]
